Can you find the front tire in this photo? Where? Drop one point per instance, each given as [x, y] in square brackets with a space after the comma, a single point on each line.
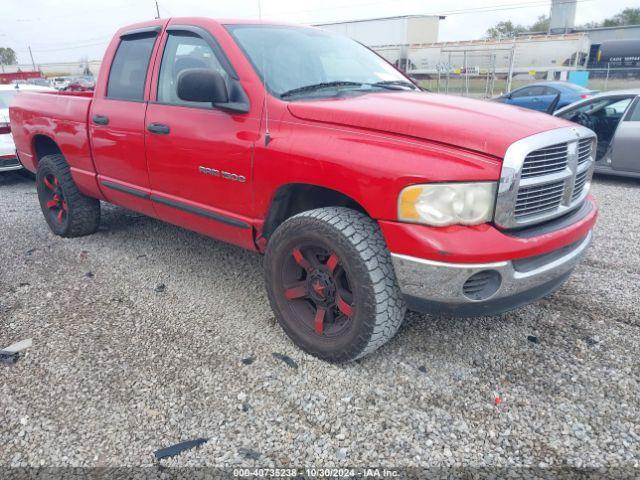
[68, 212]
[332, 285]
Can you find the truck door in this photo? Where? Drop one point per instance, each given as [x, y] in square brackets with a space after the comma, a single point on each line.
[116, 121]
[199, 157]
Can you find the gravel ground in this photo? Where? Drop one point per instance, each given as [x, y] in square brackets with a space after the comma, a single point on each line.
[146, 335]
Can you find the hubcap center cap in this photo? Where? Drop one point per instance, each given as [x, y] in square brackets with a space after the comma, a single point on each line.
[321, 287]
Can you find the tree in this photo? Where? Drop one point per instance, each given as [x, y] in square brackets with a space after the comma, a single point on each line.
[504, 29]
[541, 25]
[628, 16]
[84, 66]
[591, 25]
[7, 56]
[507, 29]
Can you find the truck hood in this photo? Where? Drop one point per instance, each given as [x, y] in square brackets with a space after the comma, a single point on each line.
[482, 126]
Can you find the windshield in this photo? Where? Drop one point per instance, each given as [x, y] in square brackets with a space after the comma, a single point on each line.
[291, 58]
[5, 98]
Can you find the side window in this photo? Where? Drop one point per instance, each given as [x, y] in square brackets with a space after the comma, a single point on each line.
[617, 108]
[537, 91]
[635, 114]
[523, 92]
[129, 67]
[528, 92]
[184, 50]
[550, 91]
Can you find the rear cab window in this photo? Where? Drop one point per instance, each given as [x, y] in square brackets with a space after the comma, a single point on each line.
[130, 65]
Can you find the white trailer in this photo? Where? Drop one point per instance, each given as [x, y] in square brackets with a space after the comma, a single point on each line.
[405, 30]
[534, 55]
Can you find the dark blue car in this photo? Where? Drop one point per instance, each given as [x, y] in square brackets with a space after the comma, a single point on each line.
[546, 96]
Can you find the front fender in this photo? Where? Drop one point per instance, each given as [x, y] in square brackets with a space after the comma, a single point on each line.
[368, 167]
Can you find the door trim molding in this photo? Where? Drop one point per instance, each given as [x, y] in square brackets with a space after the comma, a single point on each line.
[185, 207]
[121, 188]
[200, 211]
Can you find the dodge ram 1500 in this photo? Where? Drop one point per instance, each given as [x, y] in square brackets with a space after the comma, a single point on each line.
[365, 194]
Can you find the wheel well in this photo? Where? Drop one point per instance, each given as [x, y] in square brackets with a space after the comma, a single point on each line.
[43, 145]
[292, 199]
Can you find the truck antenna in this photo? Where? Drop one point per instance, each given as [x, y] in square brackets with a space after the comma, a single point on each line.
[267, 133]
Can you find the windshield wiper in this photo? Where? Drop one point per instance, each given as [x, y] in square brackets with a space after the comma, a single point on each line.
[318, 86]
[394, 84]
[387, 85]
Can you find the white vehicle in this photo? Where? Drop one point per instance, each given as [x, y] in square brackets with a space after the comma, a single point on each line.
[60, 83]
[8, 159]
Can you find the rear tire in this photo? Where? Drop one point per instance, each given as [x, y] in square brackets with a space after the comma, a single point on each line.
[332, 285]
[68, 212]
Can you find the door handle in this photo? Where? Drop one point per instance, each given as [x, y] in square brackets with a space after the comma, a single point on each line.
[100, 120]
[158, 128]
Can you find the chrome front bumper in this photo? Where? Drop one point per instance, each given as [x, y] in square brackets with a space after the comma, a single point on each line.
[487, 288]
[9, 163]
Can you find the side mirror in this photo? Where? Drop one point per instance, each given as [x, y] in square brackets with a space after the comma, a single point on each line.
[202, 85]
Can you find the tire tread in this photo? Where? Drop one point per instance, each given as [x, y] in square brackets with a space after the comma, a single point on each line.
[84, 212]
[364, 235]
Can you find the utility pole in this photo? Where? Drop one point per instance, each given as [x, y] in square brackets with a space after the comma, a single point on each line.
[157, 10]
[32, 62]
[512, 61]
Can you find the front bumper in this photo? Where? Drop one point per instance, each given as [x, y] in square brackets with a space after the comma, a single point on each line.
[475, 289]
[8, 158]
[9, 163]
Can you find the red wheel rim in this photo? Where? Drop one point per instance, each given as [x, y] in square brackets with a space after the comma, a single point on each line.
[54, 198]
[317, 289]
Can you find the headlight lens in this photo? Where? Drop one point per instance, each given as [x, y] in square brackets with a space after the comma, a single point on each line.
[442, 204]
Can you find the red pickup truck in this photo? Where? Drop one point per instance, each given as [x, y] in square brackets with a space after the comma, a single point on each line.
[366, 195]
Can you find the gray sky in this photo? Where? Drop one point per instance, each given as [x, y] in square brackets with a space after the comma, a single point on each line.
[67, 30]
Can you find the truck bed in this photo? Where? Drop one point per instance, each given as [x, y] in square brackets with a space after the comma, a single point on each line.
[59, 115]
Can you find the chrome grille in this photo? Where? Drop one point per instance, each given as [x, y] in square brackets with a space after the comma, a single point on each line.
[538, 199]
[581, 180]
[584, 150]
[546, 160]
[544, 176]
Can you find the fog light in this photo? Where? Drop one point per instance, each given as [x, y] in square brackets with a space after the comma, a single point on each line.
[482, 285]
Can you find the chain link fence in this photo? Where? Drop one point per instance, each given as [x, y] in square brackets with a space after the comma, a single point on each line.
[478, 77]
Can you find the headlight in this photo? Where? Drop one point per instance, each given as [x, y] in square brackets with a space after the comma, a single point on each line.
[441, 204]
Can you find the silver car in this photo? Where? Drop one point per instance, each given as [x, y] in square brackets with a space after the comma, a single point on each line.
[615, 117]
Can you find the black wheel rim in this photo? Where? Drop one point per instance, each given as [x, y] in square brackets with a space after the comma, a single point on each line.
[317, 290]
[54, 199]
